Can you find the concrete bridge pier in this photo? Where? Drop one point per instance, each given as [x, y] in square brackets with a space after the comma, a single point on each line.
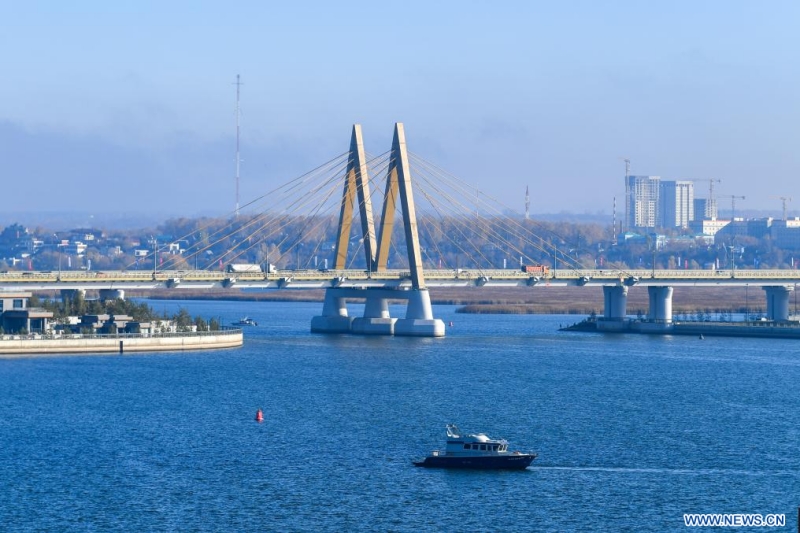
[615, 308]
[660, 304]
[376, 319]
[419, 321]
[111, 294]
[615, 302]
[334, 317]
[69, 294]
[778, 302]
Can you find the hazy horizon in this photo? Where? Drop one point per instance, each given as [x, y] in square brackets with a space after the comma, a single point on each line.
[131, 108]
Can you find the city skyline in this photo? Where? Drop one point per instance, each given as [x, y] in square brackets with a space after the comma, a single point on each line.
[111, 108]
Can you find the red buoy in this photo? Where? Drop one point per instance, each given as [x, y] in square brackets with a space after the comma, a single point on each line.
[259, 416]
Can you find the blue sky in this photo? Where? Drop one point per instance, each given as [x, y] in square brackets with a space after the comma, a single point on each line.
[129, 106]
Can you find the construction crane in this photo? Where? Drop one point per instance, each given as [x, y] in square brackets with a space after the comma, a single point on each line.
[711, 206]
[783, 199]
[733, 198]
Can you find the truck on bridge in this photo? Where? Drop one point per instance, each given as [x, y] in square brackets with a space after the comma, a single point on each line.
[535, 269]
[243, 268]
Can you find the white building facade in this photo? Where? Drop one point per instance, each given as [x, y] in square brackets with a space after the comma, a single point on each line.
[676, 205]
[641, 201]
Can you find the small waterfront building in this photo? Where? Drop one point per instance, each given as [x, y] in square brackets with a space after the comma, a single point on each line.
[103, 324]
[106, 324]
[145, 328]
[16, 316]
[32, 320]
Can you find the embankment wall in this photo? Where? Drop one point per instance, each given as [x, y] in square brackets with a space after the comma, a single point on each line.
[11, 345]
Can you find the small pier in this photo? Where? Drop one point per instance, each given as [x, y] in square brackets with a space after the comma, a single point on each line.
[789, 329]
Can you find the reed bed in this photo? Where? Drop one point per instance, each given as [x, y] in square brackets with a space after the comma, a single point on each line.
[522, 300]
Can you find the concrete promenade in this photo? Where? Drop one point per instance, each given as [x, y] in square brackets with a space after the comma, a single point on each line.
[29, 345]
[753, 328]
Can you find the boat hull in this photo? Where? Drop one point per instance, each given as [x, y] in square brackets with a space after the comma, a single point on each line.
[490, 462]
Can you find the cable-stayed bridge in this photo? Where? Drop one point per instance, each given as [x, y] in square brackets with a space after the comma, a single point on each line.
[319, 231]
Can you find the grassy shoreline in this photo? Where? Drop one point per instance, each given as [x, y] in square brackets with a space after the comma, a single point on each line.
[523, 300]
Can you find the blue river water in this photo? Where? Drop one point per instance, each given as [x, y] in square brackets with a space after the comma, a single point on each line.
[631, 431]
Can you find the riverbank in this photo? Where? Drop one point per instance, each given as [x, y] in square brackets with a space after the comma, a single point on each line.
[26, 345]
[522, 300]
[758, 328]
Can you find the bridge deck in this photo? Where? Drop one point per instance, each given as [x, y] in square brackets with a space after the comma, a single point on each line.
[398, 279]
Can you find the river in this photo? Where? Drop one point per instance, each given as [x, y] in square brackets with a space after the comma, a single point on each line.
[631, 431]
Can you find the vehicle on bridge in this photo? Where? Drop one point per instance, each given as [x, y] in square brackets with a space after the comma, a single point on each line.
[535, 269]
[243, 268]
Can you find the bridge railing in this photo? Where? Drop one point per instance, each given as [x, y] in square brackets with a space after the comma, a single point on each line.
[168, 276]
[682, 274]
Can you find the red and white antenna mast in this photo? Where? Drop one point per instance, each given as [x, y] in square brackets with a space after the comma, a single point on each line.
[527, 204]
[238, 160]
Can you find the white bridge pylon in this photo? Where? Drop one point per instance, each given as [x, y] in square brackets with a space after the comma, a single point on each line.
[419, 321]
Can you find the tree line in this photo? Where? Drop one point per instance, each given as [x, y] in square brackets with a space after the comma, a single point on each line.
[296, 242]
[77, 305]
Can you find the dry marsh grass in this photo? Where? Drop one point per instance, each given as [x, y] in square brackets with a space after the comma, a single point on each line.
[521, 300]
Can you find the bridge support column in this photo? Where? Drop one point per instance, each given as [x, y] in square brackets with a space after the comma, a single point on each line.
[334, 317]
[111, 294]
[419, 321]
[69, 294]
[615, 302]
[660, 304]
[778, 302]
[376, 319]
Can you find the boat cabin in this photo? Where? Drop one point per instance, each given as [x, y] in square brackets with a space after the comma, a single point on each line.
[477, 444]
[476, 451]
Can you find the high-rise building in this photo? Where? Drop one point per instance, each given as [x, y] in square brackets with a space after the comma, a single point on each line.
[676, 204]
[705, 208]
[641, 194]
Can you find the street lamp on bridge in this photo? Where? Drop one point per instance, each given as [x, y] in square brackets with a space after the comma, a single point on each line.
[58, 249]
[155, 254]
